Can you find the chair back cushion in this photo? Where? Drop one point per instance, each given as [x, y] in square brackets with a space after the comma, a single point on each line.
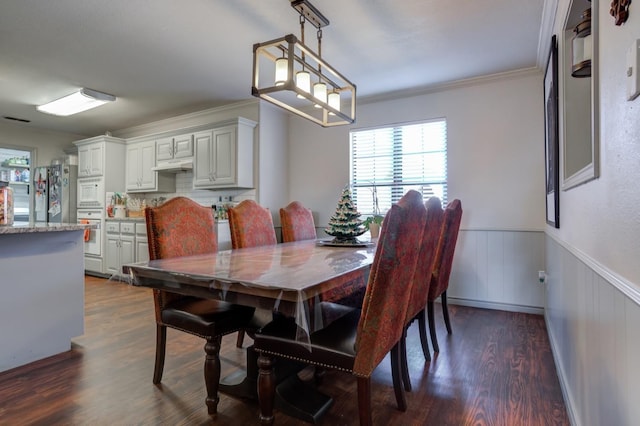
[251, 225]
[424, 268]
[446, 249]
[297, 223]
[180, 227]
[389, 288]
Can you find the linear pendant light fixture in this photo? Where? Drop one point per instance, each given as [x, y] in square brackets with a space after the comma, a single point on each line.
[76, 102]
[290, 75]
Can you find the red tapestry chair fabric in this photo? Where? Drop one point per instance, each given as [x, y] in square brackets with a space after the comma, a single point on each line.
[181, 227]
[297, 223]
[357, 342]
[251, 225]
[422, 281]
[442, 267]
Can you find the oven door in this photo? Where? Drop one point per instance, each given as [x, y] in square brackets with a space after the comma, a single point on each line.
[92, 238]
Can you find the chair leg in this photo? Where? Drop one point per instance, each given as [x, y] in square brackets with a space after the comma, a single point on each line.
[445, 311]
[404, 363]
[364, 401]
[212, 372]
[395, 373]
[161, 344]
[422, 325]
[266, 389]
[240, 339]
[432, 326]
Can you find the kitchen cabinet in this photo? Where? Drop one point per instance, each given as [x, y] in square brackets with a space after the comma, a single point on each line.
[91, 160]
[142, 245]
[120, 246]
[224, 235]
[224, 156]
[174, 147]
[140, 159]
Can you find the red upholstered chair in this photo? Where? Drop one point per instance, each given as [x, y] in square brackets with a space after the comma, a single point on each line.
[181, 227]
[297, 223]
[251, 225]
[442, 267]
[358, 341]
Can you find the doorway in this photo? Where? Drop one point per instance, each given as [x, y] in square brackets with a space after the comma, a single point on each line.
[15, 168]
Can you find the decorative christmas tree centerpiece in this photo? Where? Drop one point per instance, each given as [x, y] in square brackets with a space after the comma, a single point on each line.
[345, 224]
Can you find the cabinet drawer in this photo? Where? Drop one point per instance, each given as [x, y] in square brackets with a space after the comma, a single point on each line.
[141, 229]
[113, 227]
[128, 228]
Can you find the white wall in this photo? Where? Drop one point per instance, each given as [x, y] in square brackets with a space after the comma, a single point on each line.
[495, 167]
[495, 150]
[593, 293]
[47, 145]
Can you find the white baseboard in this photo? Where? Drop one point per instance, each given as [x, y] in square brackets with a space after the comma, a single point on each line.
[495, 306]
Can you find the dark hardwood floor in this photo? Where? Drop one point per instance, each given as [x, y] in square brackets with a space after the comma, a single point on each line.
[496, 369]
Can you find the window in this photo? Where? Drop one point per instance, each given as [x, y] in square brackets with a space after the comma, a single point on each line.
[393, 160]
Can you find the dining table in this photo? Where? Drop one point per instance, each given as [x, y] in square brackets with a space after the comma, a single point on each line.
[289, 279]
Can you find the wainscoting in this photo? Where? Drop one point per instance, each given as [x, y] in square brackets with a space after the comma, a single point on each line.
[498, 269]
[593, 320]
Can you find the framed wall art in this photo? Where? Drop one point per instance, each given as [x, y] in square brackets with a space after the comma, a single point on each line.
[552, 151]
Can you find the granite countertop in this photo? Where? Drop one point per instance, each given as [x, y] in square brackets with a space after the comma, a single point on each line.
[31, 227]
[126, 219]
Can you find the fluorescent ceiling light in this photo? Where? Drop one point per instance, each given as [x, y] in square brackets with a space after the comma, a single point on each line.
[74, 103]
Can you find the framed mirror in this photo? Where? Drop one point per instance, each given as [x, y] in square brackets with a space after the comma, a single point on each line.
[580, 113]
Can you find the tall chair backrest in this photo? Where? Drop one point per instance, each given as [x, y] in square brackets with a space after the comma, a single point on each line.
[389, 288]
[427, 256]
[446, 249]
[251, 225]
[297, 223]
[180, 227]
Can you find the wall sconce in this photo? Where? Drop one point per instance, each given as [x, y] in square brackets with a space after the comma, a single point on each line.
[290, 75]
[582, 47]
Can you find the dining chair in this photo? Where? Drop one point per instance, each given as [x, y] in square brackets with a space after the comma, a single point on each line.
[181, 227]
[357, 342]
[297, 223]
[251, 225]
[422, 280]
[442, 267]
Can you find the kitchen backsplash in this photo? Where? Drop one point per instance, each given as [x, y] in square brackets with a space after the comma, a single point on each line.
[184, 187]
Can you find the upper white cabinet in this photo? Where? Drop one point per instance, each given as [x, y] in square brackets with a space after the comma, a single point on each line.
[174, 147]
[91, 159]
[224, 156]
[140, 159]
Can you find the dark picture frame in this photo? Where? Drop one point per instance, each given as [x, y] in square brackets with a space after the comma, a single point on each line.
[551, 132]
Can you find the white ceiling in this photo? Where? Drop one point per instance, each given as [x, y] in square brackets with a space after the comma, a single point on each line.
[163, 58]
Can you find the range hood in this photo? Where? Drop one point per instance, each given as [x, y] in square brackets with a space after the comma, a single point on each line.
[174, 166]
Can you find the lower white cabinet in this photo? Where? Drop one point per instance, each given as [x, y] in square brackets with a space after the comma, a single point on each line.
[142, 245]
[120, 246]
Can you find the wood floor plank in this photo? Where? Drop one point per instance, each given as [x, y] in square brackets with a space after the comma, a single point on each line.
[495, 369]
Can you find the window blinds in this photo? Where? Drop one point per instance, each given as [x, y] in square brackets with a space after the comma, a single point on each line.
[393, 160]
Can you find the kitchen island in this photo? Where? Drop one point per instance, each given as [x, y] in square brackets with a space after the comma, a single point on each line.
[42, 284]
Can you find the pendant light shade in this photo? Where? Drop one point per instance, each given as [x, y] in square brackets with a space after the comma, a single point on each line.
[320, 93]
[282, 73]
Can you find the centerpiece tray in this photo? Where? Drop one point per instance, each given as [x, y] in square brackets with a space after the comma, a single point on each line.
[331, 243]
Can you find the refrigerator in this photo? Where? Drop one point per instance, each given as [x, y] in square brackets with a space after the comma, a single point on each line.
[55, 190]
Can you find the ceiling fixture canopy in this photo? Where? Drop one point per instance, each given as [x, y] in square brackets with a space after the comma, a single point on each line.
[76, 102]
[289, 74]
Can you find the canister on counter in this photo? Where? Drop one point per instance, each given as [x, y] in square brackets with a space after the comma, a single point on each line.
[6, 204]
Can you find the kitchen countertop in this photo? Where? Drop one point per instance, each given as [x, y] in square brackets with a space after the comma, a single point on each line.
[31, 227]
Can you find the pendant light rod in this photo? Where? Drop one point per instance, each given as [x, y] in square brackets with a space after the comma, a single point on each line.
[310, 13]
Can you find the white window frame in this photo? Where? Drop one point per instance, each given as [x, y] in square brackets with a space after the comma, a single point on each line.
[379, 164]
